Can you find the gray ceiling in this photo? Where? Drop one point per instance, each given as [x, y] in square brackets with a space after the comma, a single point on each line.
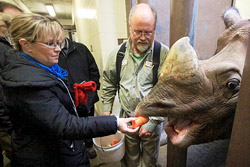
[63, 8]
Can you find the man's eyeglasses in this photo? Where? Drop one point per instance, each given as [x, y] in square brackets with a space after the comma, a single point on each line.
[139, 33]
[51, 45]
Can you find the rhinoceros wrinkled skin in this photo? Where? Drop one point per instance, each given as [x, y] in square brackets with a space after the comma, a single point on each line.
[199, 96]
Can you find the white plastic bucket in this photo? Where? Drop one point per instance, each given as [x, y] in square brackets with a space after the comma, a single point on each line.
[108, 153]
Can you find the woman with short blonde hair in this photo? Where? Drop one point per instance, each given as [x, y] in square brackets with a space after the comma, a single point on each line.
[47, 131]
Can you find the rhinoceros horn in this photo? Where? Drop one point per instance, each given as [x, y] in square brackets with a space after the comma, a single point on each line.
[181, 61]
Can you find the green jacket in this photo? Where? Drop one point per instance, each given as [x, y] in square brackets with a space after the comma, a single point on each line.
[136, 81]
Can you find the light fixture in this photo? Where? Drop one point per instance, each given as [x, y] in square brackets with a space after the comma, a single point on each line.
[50, 9]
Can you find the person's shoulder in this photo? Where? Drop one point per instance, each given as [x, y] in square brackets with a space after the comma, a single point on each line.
[164, 51]
[4, 42]
[124, 44]
[115, 50]
[113, 54]
[78, 44]
[4, 47]
[163, 45]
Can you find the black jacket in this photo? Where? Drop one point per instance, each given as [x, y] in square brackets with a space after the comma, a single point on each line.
[81, 66]
[4, 119]
[43, 116]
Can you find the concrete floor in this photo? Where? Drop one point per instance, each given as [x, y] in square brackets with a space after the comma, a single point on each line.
[211, 154]
[162, 159]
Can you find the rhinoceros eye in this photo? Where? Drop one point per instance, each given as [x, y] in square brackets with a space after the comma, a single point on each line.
[234, 85]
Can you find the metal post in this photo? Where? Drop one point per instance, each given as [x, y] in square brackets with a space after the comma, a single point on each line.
[181, 19]
[180, 26]
[239, 148]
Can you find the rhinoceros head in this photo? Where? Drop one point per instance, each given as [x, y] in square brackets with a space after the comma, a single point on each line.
[199, 96]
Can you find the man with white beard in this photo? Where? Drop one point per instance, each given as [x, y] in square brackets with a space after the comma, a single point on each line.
[139, 68]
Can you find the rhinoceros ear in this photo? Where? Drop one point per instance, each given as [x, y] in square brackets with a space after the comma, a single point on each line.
[181, 60]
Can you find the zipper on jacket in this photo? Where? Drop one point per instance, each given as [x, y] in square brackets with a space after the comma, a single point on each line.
[70, 97]
[72, 146]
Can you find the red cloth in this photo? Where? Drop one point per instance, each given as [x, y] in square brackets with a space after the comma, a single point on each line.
[81, 92]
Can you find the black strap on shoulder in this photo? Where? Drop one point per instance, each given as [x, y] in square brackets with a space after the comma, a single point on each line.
[119, 58]
[156, 61]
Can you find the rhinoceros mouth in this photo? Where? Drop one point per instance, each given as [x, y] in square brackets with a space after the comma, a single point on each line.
[178, 130]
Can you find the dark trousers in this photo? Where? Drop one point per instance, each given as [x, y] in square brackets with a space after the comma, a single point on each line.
[1, 157]
[5, 145]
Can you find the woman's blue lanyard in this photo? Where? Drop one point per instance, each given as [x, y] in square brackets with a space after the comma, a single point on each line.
[55, 69]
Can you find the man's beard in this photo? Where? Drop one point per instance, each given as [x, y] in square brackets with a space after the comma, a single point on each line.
[144, 47]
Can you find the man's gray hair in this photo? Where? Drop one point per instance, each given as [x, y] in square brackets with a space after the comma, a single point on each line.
[132, 11]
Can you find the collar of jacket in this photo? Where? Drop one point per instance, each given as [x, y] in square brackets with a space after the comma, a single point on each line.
[4, 40]
[20, 71]
[71, 46]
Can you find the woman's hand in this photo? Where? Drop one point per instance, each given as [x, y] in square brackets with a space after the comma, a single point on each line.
[123, 125]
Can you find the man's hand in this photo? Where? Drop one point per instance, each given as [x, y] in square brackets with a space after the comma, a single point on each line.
[107, 113]
[144, 132]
